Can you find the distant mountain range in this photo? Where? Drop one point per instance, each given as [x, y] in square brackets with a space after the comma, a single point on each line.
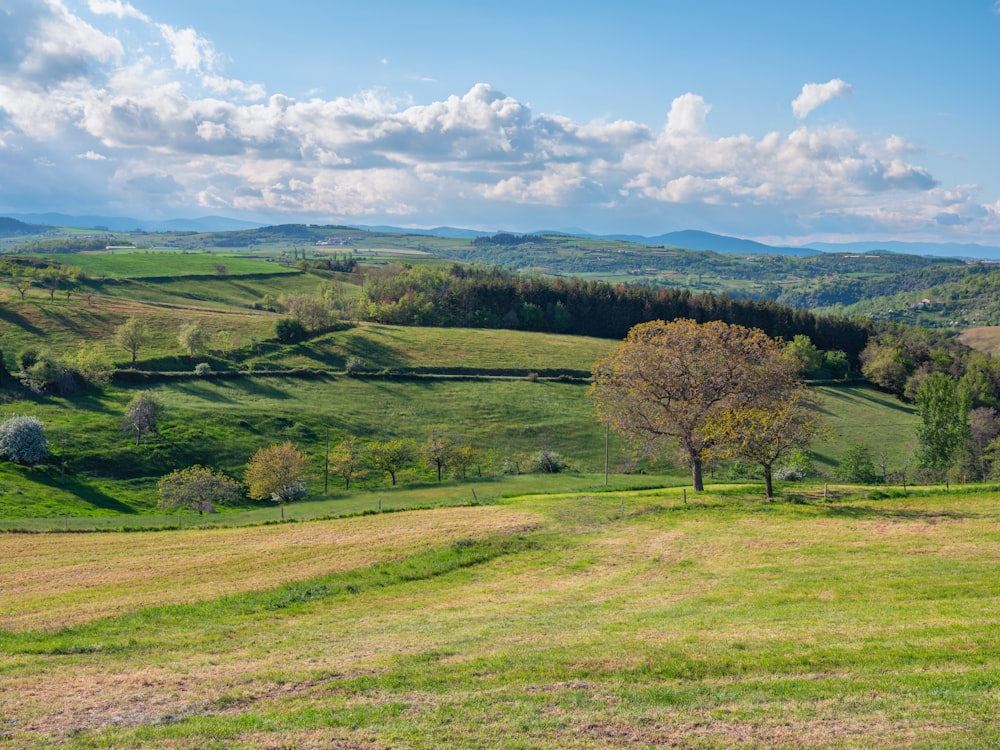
[126, 224]
[689, 239]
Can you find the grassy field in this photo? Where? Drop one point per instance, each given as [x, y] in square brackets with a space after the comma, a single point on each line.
[984, 338]
[547, 621]
[165, 263]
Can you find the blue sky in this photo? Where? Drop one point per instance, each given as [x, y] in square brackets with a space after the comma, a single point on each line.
[778, 121]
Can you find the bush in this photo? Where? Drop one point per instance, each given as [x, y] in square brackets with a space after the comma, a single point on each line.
[22, 440]
[354, 366]
[795, 468]
[547, 462]
[202, 369]
[857, 466]
[290, 331]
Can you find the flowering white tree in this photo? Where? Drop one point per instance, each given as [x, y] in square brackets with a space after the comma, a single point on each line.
[22, 440]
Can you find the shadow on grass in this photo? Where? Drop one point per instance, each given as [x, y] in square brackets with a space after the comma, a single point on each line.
[899, 514]
[867, 393]
[374, 353]
[88, 494]
[20, 321]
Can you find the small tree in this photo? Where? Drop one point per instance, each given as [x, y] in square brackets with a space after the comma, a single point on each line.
[93, 364]
[464, 457]
[857, 465]
[22, 440]
[390, 456]
[943, 433]
[197, 488]
[346, 460]
[132, 336]
[22, 284]
[762, 433]
[439, 451]
[193, 338]
[803, 355]
[141, 415]
[277, 472]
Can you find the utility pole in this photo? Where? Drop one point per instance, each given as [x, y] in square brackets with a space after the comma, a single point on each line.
[606, 454]
[326, 467]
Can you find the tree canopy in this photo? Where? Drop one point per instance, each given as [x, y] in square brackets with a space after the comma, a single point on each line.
[668, 379]
[198, 488]
[277, 472]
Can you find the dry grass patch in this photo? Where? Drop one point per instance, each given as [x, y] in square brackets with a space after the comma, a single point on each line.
[54, 580]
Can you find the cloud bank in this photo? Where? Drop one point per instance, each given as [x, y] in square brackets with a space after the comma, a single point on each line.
[155, 126]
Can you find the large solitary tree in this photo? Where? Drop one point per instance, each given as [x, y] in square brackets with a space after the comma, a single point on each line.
[667, 379]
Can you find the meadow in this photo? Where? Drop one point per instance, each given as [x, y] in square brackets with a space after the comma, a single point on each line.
[496, 611]
[621, 619]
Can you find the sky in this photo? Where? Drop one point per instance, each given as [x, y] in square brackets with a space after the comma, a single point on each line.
[778, 120]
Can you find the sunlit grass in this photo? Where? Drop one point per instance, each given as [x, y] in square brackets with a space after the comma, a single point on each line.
[722, 622]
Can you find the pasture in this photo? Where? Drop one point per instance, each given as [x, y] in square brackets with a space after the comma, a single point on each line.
[627, 619]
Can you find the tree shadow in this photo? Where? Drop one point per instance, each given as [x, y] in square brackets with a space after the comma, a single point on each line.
[91, 495]
[867, 394]
[899, 514]
[9, 316]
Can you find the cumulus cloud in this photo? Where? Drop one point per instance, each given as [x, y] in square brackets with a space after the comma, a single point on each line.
[688, 114]
[190, 50]
[817, 94]
[175, 132]
[116, 8]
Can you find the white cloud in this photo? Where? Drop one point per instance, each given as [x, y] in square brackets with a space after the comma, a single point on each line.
[687, 116]
[182, 134]
[817, 94]
[116, 8]
[190, 51]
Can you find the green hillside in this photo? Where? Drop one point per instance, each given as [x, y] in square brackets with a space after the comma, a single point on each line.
[508, 394]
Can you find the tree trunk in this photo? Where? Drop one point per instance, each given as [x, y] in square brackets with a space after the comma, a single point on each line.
[392, 474]
[768, 487]
[696, 474]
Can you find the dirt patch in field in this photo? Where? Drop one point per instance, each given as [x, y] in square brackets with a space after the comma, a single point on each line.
[54, 580]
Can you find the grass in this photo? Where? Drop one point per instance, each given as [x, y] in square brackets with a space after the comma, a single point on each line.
[221, 422]
[862, 415]
[545, 622]
[163, 263]
[410, 347]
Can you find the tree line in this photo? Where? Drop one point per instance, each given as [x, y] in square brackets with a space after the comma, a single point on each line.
[492, 298]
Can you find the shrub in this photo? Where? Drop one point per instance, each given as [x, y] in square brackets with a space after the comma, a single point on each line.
[354, 366]
[857, 466]
[22, 440]
[795, 468]
[290, 331]
[547, 462]
[202, 369]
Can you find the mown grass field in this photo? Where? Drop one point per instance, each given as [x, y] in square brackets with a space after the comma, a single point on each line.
[544, 622]
[164, 263]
